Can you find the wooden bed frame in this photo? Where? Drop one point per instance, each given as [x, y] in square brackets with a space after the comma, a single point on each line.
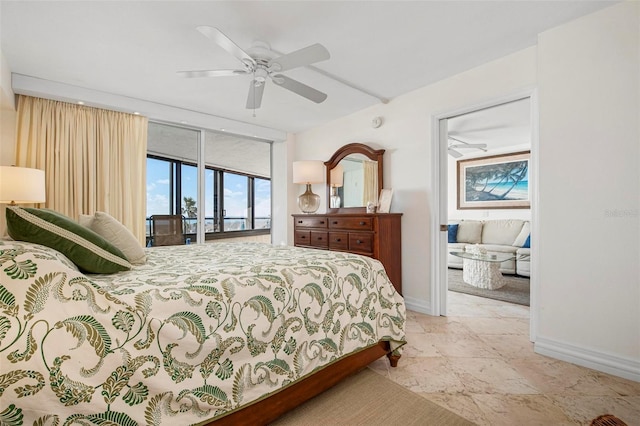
[267, 410]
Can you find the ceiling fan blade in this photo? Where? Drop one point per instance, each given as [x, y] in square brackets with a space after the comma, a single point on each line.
[254, 100]
[211, 73]
[469, 145]
[454, 153]
[299, 88]
[225, 42]
[299, 58]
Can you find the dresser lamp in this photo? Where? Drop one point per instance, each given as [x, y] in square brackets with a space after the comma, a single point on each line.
[21, 185]
[306, 173]
[337, 180]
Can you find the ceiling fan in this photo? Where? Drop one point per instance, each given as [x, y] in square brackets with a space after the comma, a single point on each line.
[262, 64]
[451, 149]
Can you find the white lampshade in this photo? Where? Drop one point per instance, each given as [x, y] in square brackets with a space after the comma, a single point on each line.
[337, 176]
[308, 171]
[21, 185]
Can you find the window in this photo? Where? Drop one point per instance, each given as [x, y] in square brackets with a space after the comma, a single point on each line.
[237, 200]
[262, 203]
[159, 186]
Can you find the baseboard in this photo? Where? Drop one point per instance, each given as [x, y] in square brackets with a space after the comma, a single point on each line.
[600, 361]
[417, 305]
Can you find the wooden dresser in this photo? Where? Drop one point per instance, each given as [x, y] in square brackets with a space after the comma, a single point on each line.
[376, 235]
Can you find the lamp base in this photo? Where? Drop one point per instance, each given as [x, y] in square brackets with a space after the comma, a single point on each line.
[309, 202]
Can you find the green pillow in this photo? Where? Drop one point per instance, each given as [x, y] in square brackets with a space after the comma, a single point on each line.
[88, 250]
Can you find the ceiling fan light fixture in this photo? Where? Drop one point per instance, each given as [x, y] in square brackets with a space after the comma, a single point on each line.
[260, 62]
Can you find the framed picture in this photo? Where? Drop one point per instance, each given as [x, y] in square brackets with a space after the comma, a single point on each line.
[384, 202]
[494, 182]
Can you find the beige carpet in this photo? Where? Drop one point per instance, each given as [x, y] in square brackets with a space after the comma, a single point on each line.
[368, 398]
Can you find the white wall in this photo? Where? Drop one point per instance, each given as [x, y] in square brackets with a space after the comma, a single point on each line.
[589, 224]
[406, 137]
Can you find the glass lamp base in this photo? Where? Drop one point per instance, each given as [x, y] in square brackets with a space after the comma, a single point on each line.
[309, 202]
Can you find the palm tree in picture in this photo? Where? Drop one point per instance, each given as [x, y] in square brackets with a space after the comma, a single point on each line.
[483, 182]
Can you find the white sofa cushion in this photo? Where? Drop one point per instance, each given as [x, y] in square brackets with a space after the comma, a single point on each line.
[470, 231]
[523, 262]
[501, 231]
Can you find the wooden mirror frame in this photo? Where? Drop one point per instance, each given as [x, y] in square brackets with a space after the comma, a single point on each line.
[352, 148]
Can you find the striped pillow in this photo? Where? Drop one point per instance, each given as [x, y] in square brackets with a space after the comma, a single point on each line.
[88, 250]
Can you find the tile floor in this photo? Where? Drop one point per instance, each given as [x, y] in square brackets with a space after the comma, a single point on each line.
[479, 363]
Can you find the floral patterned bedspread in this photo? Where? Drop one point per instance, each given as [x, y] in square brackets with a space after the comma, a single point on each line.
[197, 332]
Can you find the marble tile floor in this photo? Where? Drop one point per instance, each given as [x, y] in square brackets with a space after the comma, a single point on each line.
[478, 362]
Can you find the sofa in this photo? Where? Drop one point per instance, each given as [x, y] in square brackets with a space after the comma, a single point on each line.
[510, 236]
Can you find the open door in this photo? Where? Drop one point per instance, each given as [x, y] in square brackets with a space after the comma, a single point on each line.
[446, 140]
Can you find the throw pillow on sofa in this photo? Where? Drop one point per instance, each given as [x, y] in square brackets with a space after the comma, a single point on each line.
[522, 236]
[453, 233]
[470, 231]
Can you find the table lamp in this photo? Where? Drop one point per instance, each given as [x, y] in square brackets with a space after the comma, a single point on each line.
[20, 185]
[306, 173]
[337, 180]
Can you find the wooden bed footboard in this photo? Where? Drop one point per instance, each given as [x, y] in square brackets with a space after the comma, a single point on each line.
[267, 410]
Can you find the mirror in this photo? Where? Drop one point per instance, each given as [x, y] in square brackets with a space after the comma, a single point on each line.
[354, 176]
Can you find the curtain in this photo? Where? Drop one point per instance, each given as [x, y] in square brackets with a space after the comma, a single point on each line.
[94, 159]
[370, 189]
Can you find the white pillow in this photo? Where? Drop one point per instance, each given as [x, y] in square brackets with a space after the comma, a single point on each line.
[117, 234]
[522, 236]
[470, 231]
[86, 220]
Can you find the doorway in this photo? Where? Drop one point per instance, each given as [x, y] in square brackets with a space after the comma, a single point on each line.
[474, 132]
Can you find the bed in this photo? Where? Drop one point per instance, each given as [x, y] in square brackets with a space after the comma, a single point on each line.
[211, 333]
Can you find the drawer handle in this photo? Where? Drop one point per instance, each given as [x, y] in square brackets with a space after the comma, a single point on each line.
[322, 222]
[362, 223]
[358, 241]
[338, 240]
[335, 222]
[299, 221]
[319, 238]
[303, 237]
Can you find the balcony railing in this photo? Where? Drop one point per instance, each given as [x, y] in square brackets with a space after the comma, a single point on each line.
[231, 224]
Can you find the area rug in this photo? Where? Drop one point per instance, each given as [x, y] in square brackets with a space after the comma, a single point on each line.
[367, 398]
[515, 291]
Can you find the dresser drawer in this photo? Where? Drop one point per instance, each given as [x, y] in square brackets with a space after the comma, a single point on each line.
[351, 223]
[361, 242]
[302, 238]
[311, 222]
[339, 240]
[320, 239]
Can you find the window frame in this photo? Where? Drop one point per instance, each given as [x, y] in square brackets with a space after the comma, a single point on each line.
[218, 200]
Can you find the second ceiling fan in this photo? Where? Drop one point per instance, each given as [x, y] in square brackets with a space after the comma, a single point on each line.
[452, 149]
[262, 64]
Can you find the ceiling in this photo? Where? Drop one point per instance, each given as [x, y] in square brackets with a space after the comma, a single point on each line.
[500, 127]
[386, 48]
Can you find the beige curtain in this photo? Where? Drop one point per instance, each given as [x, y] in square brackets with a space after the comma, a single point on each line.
[94, 159]
[370, 190]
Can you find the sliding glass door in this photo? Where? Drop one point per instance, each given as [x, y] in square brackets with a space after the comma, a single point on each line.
[232, 183]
